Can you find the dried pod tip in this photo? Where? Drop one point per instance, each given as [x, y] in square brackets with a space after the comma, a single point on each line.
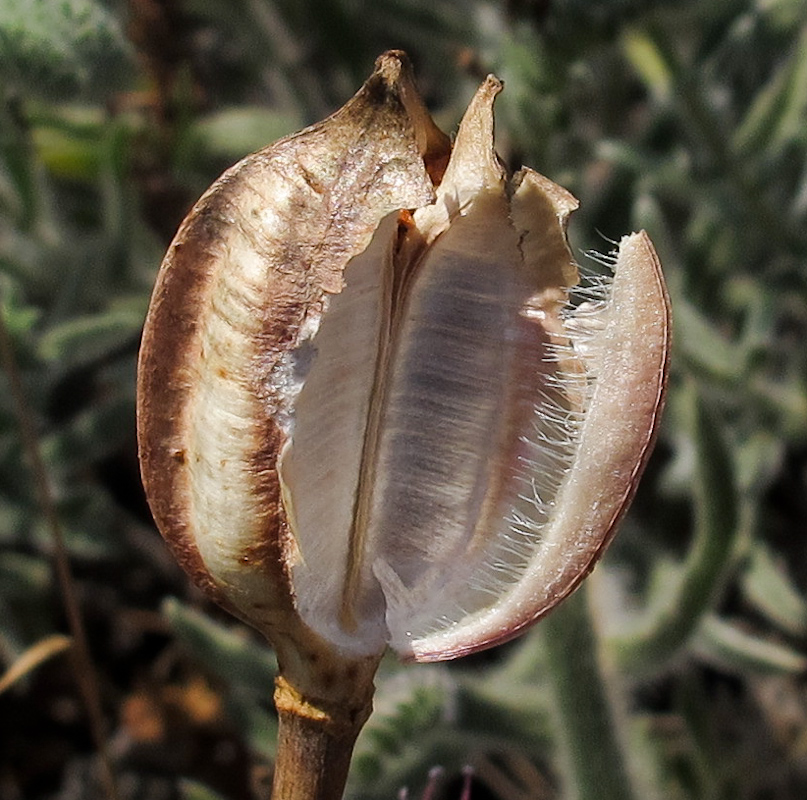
[371, 412]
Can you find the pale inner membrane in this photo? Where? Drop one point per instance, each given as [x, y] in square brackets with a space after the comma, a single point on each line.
[477, 435]
[321, 466]
[449, 391]
[472, 439]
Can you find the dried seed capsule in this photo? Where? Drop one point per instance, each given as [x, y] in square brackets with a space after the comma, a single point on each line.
[368, 414]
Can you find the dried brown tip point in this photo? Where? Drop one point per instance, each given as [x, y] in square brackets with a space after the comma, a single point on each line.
[395, 69]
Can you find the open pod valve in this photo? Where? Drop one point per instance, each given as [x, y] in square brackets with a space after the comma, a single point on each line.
[376, 408]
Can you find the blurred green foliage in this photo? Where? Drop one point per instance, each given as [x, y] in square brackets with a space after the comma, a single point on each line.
[688, 119]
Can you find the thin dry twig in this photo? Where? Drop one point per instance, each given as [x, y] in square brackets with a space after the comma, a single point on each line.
[84, 671]
[33, 656]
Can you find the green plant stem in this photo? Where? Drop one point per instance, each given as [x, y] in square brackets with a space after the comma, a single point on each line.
[710, 560]
[587, 730]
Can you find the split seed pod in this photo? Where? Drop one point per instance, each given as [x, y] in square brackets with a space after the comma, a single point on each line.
[369, 415]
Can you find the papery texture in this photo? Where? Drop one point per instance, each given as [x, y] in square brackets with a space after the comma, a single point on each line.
[368, 414]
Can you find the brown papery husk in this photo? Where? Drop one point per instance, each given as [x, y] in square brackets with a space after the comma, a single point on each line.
[381, 143]
[251, 273]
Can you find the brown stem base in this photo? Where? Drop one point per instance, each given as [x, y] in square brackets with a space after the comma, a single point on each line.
[314, 745]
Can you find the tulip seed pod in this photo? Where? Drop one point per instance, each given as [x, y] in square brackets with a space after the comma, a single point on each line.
[369, 414]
